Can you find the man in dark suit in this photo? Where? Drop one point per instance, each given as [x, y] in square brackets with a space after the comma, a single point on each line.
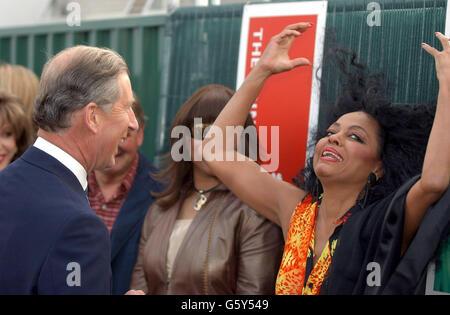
[121, 196]
[51, 242]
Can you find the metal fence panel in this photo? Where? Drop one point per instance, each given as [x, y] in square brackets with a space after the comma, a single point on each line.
[136, 39]
[170, 57]
[204, 42]
[203, 45]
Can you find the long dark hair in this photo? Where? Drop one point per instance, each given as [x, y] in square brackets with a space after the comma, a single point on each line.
[206, 103]
[404, 129]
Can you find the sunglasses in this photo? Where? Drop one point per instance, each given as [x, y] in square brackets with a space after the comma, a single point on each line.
[200, 129]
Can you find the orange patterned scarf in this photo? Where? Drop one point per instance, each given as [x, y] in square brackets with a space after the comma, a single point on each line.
[291, 276]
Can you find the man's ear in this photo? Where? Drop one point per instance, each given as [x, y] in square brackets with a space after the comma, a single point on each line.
[140, 135]
[92, 117]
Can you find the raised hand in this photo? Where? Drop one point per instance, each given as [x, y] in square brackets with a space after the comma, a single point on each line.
[442, 58]
[275, 58]
[435, 176]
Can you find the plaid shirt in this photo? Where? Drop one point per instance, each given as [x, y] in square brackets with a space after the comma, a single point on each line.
[108, 210]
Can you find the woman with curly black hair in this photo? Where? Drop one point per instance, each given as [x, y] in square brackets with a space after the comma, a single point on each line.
[373, 205]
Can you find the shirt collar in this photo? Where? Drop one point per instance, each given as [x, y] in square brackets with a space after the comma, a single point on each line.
[129, 179]
[68, 161]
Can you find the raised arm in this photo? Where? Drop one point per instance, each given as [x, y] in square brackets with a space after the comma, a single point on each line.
[436, 168]
[271, 197]
[275, 59]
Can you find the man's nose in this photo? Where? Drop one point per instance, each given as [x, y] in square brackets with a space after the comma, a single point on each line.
[133, 123]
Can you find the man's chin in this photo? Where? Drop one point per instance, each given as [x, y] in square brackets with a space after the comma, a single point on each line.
[112, 162]
[112, 167]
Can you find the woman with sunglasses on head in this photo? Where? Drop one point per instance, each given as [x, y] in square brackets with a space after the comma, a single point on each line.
[362, 222]
[198, 237]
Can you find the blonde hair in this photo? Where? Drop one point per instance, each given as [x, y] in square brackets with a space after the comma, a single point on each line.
[20, 82]
[12, 113]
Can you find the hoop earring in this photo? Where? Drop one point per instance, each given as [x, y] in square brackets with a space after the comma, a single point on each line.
[371, 180]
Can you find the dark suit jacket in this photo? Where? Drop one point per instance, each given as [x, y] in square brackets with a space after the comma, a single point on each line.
[126, 232]
[51, 242]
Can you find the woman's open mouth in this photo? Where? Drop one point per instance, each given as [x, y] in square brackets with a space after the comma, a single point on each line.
[331, 155]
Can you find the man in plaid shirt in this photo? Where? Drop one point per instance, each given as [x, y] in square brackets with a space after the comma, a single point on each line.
[120, 196]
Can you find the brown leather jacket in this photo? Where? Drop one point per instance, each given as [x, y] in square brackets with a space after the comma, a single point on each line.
[228, 249]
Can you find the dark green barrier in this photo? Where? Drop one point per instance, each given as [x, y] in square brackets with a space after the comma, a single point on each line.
[203, 49]
[136, 39]
[170, 57]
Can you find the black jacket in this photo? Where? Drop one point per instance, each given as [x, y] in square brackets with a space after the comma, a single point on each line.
[367, 259]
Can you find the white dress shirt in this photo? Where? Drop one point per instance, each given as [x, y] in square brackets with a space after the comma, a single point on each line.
[73, 165]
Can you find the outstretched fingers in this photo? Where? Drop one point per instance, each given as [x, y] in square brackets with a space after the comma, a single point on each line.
[300, 27]
[287, 33]
[300, 62]
[275, 58]
[431, 50]
[441, 58]
[444, 42]
[295, 29]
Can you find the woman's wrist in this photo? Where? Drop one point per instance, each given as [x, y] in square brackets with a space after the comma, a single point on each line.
[444, 83]
[261, 71]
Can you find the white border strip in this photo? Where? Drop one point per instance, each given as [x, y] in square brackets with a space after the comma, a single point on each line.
[317, 69]
[447, 20]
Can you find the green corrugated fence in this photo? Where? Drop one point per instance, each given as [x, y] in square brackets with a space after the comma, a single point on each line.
[202, 46]
[136, 39]
[172, 56]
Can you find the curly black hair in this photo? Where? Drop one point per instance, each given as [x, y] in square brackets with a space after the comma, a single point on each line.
[404, 128]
